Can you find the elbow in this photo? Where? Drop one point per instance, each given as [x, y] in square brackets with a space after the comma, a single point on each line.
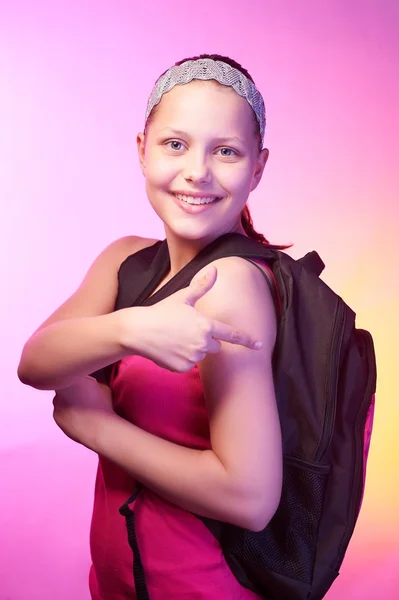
[28, 371]
[257, 519]
[258, 510]
[23, 374]
[27, 376]
[250, 505]
[41, 381]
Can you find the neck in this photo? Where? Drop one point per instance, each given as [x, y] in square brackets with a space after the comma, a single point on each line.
[183, 250]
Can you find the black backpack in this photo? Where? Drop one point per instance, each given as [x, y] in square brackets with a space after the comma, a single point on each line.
[325, 380]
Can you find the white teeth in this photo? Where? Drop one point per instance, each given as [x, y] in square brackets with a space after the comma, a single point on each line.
[191, 200]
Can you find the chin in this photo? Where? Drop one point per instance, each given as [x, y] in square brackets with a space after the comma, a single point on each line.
[195, 231]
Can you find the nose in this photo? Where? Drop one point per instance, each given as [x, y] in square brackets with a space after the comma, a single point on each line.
[196, 168]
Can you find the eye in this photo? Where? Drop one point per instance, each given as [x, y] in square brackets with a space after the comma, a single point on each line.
[228, 152]
[174, 145]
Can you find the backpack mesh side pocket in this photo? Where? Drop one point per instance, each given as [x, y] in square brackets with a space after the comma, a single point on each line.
[287, 545]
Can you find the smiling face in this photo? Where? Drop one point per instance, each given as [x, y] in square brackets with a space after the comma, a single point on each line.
[201, 147]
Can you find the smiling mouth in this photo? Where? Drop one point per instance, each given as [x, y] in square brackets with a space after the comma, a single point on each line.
[196, 201]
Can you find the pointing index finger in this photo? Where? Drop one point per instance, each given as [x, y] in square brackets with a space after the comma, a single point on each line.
[225, 333]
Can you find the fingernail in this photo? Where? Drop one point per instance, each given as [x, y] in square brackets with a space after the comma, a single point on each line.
[258, 345]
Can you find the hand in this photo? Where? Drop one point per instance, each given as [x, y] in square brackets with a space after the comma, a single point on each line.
[79, 408]
[174, 335]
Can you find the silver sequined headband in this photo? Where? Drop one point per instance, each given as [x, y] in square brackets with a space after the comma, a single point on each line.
[206, 69]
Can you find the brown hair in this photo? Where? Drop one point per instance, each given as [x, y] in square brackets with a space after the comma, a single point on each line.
[246, 219]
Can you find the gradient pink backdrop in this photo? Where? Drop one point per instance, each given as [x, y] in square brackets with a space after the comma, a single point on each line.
[74, 79]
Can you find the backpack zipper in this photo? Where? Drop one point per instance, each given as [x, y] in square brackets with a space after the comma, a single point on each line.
[332, 383]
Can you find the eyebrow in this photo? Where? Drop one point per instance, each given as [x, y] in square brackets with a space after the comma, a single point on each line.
[220, 140]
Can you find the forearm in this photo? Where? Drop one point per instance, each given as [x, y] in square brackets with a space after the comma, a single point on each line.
[195, 480]
[55, 355]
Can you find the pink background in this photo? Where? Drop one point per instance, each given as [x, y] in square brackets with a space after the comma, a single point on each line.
[74, 79]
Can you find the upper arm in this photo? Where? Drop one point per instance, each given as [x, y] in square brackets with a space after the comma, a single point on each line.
[238, 383]
[97, 293]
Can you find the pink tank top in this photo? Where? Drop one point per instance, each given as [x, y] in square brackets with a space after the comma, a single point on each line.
[181, 558]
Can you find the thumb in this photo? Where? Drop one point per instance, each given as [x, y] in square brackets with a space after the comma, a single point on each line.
[199, 286]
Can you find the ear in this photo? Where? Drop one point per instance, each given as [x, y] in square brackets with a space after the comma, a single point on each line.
[259, 168]
[141, 151]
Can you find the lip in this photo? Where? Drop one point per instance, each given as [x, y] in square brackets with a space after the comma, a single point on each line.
[194, 209]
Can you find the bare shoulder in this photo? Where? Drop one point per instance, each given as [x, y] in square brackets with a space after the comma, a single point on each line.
[97, 293]
[239, 283]
[242, 298]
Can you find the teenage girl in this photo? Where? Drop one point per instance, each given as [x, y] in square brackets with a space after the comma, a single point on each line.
[191, 411]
